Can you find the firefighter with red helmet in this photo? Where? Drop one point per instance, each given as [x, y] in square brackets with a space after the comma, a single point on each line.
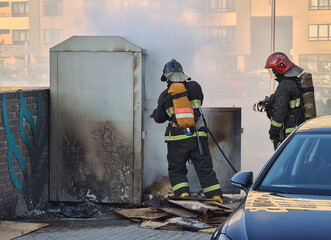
[184, 145]
[287, 100]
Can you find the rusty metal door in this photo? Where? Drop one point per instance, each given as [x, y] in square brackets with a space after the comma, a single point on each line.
[95, 121]
[225, 125]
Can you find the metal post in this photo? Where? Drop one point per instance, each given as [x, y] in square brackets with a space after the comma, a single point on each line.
[2, 64]
[273, 24]
[26, 63]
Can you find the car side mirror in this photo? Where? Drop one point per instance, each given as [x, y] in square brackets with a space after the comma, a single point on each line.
[244, 180]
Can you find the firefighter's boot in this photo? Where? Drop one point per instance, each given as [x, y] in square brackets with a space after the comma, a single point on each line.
[184, 195]
[218, 198]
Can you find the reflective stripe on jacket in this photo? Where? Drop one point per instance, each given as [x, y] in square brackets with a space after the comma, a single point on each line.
[196, 104]
[183, 136]
[286, 106]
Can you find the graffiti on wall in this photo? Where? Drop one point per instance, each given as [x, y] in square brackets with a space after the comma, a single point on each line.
[35, 171]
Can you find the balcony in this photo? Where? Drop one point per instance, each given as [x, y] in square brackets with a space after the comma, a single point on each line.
[4, 14]
[8, 51]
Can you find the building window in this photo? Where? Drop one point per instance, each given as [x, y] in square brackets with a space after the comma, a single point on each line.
[316, 63]
[227, 63]
[319, 32]
[319, 4]
[4, 4]
[4, 31]
[223, 34]
[4, 9]
[52, 8]
[222, 5]
[20, 36]
[20, 9]
[53, 36]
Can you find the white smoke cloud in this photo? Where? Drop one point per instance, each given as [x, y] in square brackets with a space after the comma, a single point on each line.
[163, 34]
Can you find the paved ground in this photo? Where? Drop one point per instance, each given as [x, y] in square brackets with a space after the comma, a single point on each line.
[111, 227]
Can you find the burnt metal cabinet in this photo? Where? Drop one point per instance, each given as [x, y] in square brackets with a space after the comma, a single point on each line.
[96, 120]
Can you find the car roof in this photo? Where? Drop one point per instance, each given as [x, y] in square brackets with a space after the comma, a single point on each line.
[318, 124]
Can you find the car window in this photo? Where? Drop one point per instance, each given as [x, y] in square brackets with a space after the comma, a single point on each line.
[303, 167]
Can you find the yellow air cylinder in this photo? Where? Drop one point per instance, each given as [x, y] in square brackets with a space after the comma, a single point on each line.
[182, 105]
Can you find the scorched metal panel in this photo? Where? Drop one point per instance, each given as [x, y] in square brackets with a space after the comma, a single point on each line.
[95, 126]
[96, 104]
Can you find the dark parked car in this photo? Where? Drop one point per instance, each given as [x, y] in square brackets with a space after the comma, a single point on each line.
[291, 197]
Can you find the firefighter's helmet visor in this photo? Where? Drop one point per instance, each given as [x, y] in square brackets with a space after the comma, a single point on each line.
[272, 75]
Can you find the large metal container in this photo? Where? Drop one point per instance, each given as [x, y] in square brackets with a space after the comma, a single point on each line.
[96, 120]
[225, 126]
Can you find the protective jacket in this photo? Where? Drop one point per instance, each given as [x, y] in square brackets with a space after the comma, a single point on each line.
[165, 112]
[183, 147]
[287, 109]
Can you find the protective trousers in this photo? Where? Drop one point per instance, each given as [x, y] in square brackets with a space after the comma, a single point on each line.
[179, 152]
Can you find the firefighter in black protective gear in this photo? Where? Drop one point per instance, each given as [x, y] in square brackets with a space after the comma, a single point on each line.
[183, 147]
[286, 111]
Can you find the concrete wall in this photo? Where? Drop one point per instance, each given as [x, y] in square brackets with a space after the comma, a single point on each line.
[24, 151]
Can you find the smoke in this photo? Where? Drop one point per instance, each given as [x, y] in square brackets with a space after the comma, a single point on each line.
[163, 35]
[164, 30]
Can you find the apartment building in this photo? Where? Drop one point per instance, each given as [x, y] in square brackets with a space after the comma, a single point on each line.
[29, 28]
[226, 25]
[303, 31]
[238, 31]
[14, 36]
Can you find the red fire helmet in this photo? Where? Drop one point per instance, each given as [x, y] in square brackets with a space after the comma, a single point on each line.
[279, 61]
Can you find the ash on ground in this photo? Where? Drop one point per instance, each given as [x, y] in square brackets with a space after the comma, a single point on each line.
[161, 188]
[71, 210]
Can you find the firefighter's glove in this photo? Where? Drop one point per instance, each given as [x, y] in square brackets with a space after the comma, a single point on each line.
[276, 142]
[270, 112]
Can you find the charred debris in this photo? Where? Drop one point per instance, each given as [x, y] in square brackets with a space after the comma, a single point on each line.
[159, 210]
[162, 210]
